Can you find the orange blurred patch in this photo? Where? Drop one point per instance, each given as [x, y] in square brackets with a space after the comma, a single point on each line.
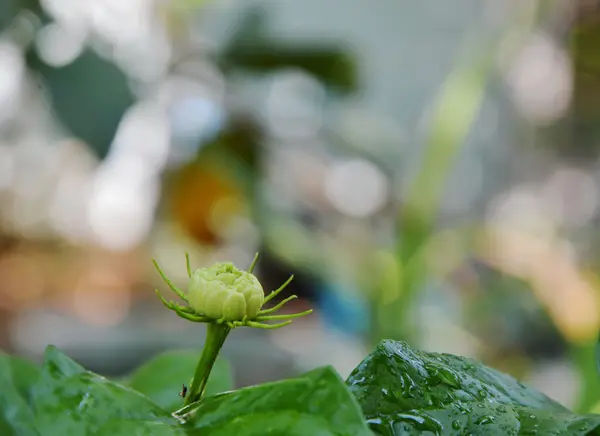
[202, 200]
[569, 296]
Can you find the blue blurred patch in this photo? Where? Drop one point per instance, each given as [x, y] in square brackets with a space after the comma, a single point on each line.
[343, 308]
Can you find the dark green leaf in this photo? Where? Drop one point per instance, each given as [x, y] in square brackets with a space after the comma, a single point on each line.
[72, 401]
[16, 379]
[90, 81]
[315, 404]
[403, 391]
[161, 378]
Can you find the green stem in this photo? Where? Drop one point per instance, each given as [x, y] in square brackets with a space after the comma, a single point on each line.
[215, 337]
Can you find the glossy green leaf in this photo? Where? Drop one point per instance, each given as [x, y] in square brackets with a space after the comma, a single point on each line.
[16, 379]
[162, 377]
[405, 392]
[316, 404]
[123, 427]
[57, 365]
[72, 401]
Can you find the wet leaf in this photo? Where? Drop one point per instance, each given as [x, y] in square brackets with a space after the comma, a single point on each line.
[72, 401]
[161, 378]
[317, 404]
[405, 392]
[139, 428]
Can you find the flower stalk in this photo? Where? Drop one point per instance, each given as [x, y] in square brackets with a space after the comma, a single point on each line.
[224, 298]
[215, 338]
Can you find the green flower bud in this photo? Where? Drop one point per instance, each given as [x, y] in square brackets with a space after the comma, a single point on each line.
[223, 291]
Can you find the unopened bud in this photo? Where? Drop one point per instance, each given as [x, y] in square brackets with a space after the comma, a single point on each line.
[224, 292]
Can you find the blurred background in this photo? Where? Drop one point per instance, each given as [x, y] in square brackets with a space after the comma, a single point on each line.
[428, 170]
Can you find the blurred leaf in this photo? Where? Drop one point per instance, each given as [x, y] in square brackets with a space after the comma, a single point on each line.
[597, 351]
[584, 40]
[89, 96]
[72, 401]
[24, 374]
[403, 391]
[331, 65]
[9, 9]
[585, 358]
[17, 377]
[316, 404]
[585, 110]
[160, 378]
[252, 49]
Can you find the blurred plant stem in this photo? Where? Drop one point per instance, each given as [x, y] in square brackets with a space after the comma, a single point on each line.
[584, 359]
[456, 110]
